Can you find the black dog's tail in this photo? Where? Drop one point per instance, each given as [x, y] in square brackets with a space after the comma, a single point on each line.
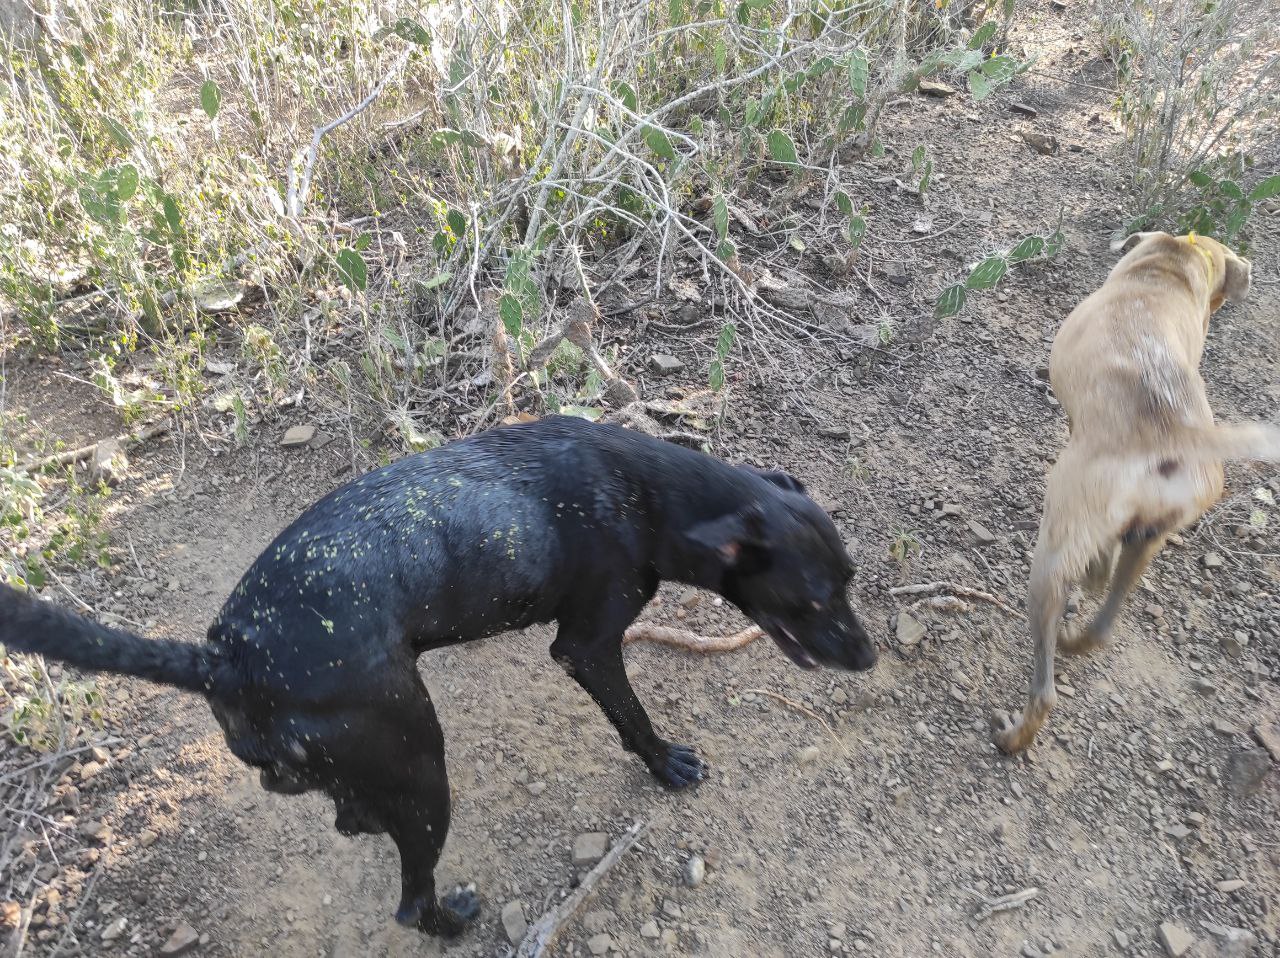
[28, 624]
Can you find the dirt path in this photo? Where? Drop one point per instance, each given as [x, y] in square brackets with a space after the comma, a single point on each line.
[1132, 811]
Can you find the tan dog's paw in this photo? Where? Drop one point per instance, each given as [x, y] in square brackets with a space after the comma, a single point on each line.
[1078, 639]
[1010, 735]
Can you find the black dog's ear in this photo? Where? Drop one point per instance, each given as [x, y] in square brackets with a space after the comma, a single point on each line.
[779, 478]
[733, 534]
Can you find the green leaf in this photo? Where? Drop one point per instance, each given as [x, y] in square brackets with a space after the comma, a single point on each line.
[352, 269]
[720, 217]
[172, 214]
[726, 251]
[716, 377]
[917, 158]
[1235, 222]
[782, 149]
[210, 98]
[843, 203]
[675, 10]
[512, 314]
[987, 273]
[979, 86]
[724, 342]
[744, 14]
[362, 242]
[1000, 68]
[951, 301]
[1231, 189]
[758, 4]
[435, 281]
[412, 31]
[592, 413]
[127, 181]
[721, 55]
[982, 35]
[1029, 247]
[659, 143]
[1200, 179]
[751, 115]
[118, 133]
[1265, 190]
[457, 223]
[1053, 245]
[925, 178]
[859, 69]
[625, 92]
[856, 230]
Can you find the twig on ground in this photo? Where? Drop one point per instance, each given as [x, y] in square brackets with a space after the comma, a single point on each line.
[84, 900]
[963, 591]
[940, 603]
[684, 639]
[791, 703]
[542, 934]
[991, 906]
[73, 456]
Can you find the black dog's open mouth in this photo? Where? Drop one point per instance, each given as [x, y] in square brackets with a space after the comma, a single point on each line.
[790, 646]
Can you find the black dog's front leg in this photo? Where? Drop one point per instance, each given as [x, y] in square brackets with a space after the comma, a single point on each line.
[594, 659]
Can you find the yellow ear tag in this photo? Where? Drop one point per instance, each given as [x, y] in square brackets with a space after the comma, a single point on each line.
[1191, 238]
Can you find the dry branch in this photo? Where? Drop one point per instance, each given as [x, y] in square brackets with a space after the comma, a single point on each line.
[683, 639]
[963, 591]
[542, 934]
[73, 456]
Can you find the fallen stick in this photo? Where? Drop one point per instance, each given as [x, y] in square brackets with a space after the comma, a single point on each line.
[963, 591]
[683, 639]
[791, 703]
[73, 456]
[991, 906]
[542, 934]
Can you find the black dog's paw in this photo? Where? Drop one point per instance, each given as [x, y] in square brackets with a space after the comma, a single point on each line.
[680, 767]
[458, 909]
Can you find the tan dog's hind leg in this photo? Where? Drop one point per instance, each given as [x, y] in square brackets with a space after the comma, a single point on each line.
[1135, 555]
[1047, 600]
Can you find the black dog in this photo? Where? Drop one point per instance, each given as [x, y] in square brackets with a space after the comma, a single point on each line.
[310, 667]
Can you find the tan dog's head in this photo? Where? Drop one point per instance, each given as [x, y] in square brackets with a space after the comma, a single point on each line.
[1227, 274]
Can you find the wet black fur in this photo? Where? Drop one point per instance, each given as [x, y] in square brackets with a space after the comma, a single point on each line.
[310, 667]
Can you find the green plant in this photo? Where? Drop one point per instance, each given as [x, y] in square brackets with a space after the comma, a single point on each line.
[987, 273]
[903, 546]
[724, 343]
[39, 713]
[1221, 207]
[922, 167]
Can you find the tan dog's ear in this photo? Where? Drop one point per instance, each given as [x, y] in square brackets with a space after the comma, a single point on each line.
[1125, 243]
[1236, 276]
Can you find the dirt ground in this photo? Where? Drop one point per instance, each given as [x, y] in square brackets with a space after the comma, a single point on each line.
[871, 813]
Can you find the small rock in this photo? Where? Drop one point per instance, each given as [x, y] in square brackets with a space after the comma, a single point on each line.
[695, 869]
[89, 769]
[1155, 611]
[936, 88]
[808, 755]
[115, 929]
[1231, 885]
[984, 535]
[589, 848]
[96, 831]
[1211, 560]
[1203, 686]
[1223, 727]
[671, 909]
[108, 463]
[1177, 830]
[1121, 939]
[297, 436]
[649, 929]
[838, 930]
[1268, 734]
[839, 696]
[147, 838]
[536, 788]
[1025, 109]
[665, 365]
[216, 368]
[951, 509]
[690, 599]
[100, 754]
[513, 921]
[600, 944]
[834, 432]
[910, 630]
[1043, 143]
[1245, 772]
[1231, 942]
[183, 940]
[1177, 940]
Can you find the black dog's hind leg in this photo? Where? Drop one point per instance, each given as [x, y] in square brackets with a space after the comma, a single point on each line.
[589, 647]
[389, 775]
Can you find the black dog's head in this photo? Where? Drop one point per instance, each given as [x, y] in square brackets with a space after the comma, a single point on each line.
[784, 565]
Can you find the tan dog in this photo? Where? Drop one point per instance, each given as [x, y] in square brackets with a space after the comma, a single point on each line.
[1144, 457]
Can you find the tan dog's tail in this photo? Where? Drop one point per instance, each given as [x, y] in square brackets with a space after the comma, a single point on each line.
[1258, 441]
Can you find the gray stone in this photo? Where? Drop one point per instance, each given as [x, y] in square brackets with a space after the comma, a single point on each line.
[909, 630]
[1025, 109]
[984, 535]
[1211, 560]
[1177, 940]
[665, 365]
[108, 463]
[184, 939]
[1230, 942]
[589, 848]
[695, 869]
[297, 436]
[513, 921]
[600, 944]
[937, 89]
[649, 929]
[1245, 772]
[115, 929]
[1268, 733]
